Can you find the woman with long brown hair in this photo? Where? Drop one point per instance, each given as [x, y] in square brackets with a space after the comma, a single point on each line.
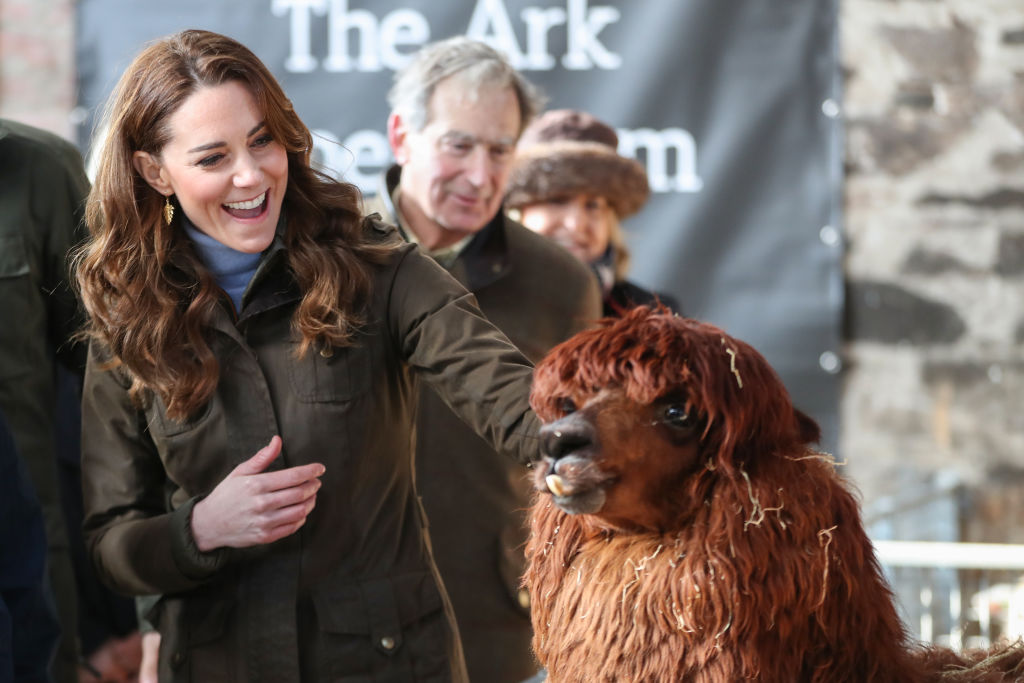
[255, 343]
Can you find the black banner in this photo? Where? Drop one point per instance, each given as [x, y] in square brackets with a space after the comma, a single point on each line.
[732, 106]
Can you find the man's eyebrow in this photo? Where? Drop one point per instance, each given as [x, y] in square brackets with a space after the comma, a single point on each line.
[466, 137]
[221, 143]
[459, 135]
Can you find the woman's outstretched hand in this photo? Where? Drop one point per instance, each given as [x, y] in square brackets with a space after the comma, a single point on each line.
[252, 507]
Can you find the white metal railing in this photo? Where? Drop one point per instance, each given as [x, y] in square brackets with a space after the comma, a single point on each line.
[957, 594]
[953, 555]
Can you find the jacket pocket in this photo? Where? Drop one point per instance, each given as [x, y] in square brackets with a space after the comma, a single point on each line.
[16, 304]
[331, 375]
[192, 629]
[388, 628]
[206, 618]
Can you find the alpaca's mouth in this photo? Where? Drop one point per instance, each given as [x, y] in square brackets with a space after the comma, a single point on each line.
[576, 484]
[582, 502]
[557, 485]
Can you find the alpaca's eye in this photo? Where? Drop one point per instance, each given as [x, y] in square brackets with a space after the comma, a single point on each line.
[677, 416]
[566, 406]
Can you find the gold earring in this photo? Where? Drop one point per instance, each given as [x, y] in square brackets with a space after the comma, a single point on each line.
[168, 210]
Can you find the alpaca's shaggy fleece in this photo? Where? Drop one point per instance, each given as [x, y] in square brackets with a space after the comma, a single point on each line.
[711, 542]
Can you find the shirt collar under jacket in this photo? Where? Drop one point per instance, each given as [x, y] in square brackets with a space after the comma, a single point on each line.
[232, 269]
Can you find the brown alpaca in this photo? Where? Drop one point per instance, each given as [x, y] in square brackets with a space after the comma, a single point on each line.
[686, 530]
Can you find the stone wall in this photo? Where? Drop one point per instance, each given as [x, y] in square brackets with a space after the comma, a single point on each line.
[934, 385]
[934, 112]
[37, 69]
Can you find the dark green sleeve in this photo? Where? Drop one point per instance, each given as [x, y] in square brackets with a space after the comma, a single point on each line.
[474, 368]
[137, 546]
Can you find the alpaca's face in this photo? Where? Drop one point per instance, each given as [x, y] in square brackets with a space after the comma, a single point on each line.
[645, 412]
[617, 459]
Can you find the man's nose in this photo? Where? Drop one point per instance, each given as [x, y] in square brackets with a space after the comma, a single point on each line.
[478, 167]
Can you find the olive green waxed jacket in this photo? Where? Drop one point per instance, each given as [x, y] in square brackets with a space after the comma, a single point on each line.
[42, 199]
[353, 595]
[539, 295]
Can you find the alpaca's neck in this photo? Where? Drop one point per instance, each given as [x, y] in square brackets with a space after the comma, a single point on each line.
[767, 585]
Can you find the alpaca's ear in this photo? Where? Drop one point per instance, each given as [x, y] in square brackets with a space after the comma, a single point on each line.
[809, 430]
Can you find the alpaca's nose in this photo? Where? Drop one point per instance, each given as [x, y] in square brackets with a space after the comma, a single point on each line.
[565, 436]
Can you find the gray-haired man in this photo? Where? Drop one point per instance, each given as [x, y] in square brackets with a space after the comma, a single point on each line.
[457, 111]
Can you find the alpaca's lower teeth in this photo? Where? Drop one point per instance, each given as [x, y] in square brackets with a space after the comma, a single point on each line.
[556, 484]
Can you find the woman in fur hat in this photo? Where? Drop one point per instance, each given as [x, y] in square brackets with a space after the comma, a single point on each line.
[569, 183]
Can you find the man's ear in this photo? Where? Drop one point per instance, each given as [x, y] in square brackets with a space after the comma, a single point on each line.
[152, 172]
[398, 138]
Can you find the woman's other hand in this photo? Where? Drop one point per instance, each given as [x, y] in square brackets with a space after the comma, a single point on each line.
[253, 507]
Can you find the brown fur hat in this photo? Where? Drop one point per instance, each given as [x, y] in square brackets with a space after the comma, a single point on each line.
[564, 152]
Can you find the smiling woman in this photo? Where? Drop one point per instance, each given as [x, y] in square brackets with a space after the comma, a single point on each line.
[223, 166]
[253, 351]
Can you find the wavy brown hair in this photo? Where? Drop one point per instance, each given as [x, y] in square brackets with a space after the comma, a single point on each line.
[148, 295]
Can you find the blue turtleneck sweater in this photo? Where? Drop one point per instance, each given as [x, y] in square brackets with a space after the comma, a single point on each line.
[232, 269]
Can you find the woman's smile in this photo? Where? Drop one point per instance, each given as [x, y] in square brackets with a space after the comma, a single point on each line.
[252, 208]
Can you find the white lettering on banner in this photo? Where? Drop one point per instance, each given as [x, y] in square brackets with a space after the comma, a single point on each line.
[365, 154]
[375, 44]
[654, 148]
[339, 21]
[300, 58]
[538, 23]
[490, 24]
[378, 44]
[584, 49]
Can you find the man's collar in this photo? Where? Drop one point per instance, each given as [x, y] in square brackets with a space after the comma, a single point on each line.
[389, 188]
[478, 259]
[485, 257]
[445, 255]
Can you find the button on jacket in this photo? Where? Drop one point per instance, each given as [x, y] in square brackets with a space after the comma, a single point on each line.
[353, 595]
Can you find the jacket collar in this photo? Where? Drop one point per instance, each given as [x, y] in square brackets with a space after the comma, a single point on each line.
[483, 261]
[272, 285]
